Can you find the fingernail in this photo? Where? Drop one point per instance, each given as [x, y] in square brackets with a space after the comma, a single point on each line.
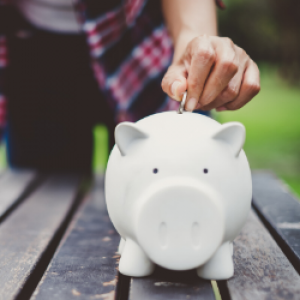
[191, 104]
[222, 108]
[174, 87]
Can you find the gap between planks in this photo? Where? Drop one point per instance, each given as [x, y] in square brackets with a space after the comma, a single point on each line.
[279, 211]
[262, 271]
[36, 227]
[85, 265]
[15, 186]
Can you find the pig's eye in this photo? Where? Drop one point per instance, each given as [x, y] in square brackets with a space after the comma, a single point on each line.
[205, 171]
[155, 171]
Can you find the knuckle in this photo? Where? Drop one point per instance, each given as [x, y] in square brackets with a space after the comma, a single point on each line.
[203, 50]
[228, 41]
[243, 53]
[253, 88]
[205, 54]
[229, 66]
[229, 93]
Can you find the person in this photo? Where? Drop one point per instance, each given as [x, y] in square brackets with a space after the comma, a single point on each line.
[65, 66]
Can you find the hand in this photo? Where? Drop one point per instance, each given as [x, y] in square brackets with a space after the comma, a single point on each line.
[215, 72]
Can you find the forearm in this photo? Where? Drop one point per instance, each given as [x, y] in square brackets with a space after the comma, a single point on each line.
[187, 19]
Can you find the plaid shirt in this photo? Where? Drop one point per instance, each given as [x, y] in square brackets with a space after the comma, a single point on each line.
[130, 51]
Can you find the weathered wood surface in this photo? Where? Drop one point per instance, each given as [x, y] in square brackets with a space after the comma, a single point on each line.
[262, 271]
[165, 284]
[280, 212]
[14, 186]
[85, 264]
[30, 231]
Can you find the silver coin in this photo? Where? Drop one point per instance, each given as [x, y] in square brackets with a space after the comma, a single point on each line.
[182, 103]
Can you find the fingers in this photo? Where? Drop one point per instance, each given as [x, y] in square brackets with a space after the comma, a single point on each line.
[250, 87]
[225, 67]
[174, 82]
[216, 73]
[201, 57]
[232, 90]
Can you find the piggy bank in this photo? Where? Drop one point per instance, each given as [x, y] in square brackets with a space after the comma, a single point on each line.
[178, 190]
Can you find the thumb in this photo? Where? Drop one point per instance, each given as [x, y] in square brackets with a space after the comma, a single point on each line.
[174, 82]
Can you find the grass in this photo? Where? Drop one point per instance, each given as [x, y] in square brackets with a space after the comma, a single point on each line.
[273, 130]
[101, 150]
[3, 162]
[216, 290]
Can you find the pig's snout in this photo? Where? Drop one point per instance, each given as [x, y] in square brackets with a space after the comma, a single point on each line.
[180, 224]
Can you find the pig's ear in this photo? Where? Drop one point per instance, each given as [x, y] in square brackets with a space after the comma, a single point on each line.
[127, 133]
[233, 134]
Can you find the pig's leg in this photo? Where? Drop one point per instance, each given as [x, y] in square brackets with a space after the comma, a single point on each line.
[121, 245]
[134, 261]
[220, 266]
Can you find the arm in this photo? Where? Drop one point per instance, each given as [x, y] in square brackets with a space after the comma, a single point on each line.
[217, 73]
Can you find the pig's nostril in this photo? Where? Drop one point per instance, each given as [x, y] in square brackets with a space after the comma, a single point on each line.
[163, 234]
[195, 234]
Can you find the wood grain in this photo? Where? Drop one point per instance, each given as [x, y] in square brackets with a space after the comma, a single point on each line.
[85, 265]
[165, 284]
[280, 212]
[28, 233]
[14, 186]
[262, 271]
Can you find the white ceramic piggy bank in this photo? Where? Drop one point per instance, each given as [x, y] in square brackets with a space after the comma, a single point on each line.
[178, 190]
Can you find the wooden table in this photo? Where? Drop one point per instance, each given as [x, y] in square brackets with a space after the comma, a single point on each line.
[57, 242]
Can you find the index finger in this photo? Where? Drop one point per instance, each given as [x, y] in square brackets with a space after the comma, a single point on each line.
[202, 56]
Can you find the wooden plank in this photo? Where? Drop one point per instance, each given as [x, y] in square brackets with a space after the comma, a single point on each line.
[30, 234]
[85, 264]
[165, 284]
[262, 271]
[14, 186]
[280, 212]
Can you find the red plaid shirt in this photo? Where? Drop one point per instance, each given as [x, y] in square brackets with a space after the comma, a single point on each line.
[130, 51]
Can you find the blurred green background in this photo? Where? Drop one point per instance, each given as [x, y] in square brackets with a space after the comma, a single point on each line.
[270, 33]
